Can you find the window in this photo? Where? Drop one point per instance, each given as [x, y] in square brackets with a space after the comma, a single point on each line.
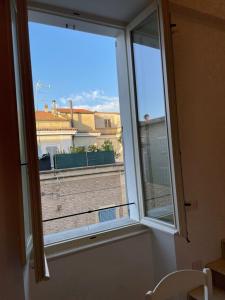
[159, 178]
[71, 120]
[107, 214]
[107, 123]
[83, 167]
[151, 119]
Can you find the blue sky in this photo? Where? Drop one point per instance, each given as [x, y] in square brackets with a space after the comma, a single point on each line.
[148, 72]
[80, 66]
[76, 65]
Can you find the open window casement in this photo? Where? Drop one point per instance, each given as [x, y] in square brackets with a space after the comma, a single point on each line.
[155, 124]
[27, 136]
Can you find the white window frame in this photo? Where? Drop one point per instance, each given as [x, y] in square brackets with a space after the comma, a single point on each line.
[60, 19]
[128, 112]
[179, 225]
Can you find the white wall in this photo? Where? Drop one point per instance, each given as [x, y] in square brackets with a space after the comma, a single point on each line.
[120, 270]
[62, 142]
[199, 53]
[164, 255]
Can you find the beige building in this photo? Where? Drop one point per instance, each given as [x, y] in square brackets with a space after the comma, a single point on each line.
[59, 129]
[69, 191]
[54, 132]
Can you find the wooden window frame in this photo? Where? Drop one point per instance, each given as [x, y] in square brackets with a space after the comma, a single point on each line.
[40, 264]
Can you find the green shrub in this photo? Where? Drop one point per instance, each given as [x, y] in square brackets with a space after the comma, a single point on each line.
[107, 146]
[93, 148]
[79, 149]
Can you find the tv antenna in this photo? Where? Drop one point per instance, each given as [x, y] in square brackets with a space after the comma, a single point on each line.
[38, 86]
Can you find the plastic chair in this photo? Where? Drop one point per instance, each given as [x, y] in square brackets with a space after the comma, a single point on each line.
[182, 282]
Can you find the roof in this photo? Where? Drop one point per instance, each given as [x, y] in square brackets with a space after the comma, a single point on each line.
[75, 110]
[153, 121]
[57, 129]
[49, 116]
[107, 112]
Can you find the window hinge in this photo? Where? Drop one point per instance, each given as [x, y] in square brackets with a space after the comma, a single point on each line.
[70, 26]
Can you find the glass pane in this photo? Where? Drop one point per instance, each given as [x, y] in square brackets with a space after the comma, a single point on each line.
[152, 125]
[79, 137]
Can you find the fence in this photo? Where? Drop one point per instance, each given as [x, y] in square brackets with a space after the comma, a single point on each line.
[75, 160]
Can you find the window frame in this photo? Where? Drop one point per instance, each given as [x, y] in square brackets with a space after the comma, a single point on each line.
[128, 118]
[27, 235]
[126, 86]
[35, 241]
[108, 123]
[165, 35]
[44, 16]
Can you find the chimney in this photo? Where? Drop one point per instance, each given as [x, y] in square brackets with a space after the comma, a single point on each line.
[46, 108]
[54, 107]
[71, 113]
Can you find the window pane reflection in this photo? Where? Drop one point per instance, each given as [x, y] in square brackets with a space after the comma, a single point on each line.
[152, 126]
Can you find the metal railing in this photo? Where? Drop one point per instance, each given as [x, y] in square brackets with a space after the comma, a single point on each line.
[87, 212]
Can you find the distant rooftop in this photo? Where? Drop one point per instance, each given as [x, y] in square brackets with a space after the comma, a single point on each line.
[153, 121]
[60, 114]
[49, 116]
[75, 110]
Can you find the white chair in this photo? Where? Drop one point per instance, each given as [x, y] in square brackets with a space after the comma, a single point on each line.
[182, 282]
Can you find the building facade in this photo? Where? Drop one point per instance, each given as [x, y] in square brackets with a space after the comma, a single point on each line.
[60, 129]
[79, 190]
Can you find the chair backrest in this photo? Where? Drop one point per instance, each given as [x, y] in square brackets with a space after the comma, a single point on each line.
[182, 282]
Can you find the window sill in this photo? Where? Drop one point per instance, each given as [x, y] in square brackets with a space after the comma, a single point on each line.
[89, 230]
[77, 244]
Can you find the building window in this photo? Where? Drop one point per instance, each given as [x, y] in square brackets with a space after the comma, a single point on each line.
[107, 214]
[107, 123]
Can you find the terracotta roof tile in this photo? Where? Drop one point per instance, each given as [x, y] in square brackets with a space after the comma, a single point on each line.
[49, 116]
[75, 110]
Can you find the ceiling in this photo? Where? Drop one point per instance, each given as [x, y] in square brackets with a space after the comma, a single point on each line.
[119, 10]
